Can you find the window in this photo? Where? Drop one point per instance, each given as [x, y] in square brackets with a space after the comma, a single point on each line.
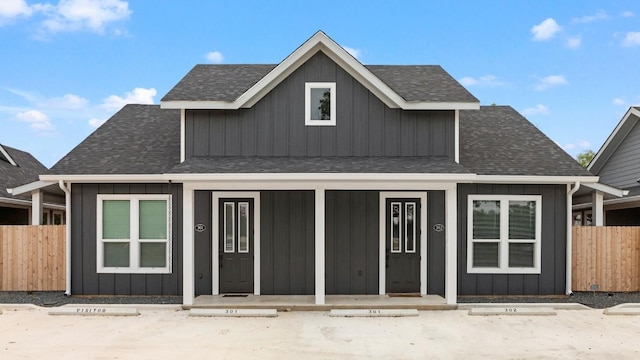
[504, 234]
[320, 104]
[134, 234]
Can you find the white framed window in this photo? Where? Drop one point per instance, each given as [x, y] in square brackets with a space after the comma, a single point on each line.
[133, 234]
[320, 104]
[504, 234]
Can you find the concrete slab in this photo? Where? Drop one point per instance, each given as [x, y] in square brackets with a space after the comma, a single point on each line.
[234, 312]
[623, 309]
[94, 311]
[373, 312]
[512, 311]
[555, 306]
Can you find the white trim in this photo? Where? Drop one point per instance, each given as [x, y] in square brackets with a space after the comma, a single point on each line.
[607, 189]
[456, 137]
[451, 261]
[613, 135]
[188, 252]
[215, 238]
[319, 42]
[532, 179]
[7, 156]
[36, 185]
[320, 198]
[308, 121]
[134, 239]
[568, 251]
[597, 208]
[183, 134]
[384, 195]
[504, 241]
[36, 207]
[67, 200]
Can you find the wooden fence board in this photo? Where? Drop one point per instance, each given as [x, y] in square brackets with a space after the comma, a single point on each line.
[32, 258]
[606, 256]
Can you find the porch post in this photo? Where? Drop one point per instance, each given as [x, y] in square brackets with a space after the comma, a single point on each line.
[319, 242]
[188, 282]
[36, 207]
[597, 208]
[451, 280]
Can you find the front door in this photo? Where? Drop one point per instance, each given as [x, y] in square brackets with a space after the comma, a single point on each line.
[403, 245]
[236, 245]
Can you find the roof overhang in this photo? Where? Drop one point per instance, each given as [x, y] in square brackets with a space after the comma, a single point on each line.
[47, 186]
[614, 140]
[320, 42]
[6, 155]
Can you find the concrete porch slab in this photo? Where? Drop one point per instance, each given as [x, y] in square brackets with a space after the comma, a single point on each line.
[512, 311]
[94, 311]
[373, 312]
[233, 312]
[623, 309]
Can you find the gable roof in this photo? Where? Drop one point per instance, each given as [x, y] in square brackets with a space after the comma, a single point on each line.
[617, 136]
[138, 139]
[241, 86]
[21, 168]
[497, 140]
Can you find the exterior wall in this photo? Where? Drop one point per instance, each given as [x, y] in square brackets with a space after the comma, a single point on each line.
[623, 167]
[275, 125]
[623, 217]
[552, 278]
[14, 216]
[84, 279]
[436, 243]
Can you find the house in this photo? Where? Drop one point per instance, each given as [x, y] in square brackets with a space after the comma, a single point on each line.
[318, 175]
[617, 164]
[17, 168]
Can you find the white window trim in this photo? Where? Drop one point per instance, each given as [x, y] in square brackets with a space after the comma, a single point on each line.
[307, 103]
[134, 253]
[504, 241]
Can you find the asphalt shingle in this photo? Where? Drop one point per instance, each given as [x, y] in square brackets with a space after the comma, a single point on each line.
[27, 170]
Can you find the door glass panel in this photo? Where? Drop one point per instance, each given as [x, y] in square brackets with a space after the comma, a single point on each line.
[243, 227]
[396, 234]
[410, 227]
[229, 233]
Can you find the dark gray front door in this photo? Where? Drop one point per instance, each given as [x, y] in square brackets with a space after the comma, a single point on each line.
[236, 245]
[403, 245]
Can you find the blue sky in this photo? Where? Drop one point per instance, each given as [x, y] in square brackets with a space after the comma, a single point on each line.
[571, 67]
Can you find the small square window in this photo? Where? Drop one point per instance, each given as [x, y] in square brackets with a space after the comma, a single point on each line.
[320, 104]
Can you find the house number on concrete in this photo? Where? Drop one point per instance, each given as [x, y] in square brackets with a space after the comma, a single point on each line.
[438, 227]
[200, 227]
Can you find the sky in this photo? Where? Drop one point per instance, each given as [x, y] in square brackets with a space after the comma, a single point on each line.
[571, 67]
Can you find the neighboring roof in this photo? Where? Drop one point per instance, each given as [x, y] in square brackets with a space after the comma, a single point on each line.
[497, 140]
[405, 87]
[617, 136]
[26, 169]
[139, 139]
[332, 164]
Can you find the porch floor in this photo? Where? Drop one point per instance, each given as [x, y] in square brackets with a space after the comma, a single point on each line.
[307, 302]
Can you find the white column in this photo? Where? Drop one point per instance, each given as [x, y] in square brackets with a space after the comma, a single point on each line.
[597, 208]
[188, 280]
[36, 207]
[319, 227]
[451, 277]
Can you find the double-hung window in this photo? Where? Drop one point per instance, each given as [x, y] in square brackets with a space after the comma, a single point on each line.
[504, 234]
[320, 104]
[133, 234]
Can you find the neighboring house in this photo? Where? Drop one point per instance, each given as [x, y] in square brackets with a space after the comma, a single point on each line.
[318, 175]
[617, 164]
[17, 168]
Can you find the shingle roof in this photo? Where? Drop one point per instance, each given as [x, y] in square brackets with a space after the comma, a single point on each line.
[139, 139]
[332, 164]
[427, 83]
[27, 171]
[497, 140]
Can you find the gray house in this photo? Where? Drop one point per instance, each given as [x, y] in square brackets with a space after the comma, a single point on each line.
[318, 176]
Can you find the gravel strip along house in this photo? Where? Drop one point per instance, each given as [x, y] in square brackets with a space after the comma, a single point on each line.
[318, 176]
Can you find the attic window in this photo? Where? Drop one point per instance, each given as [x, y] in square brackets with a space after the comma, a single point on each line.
[320, 104]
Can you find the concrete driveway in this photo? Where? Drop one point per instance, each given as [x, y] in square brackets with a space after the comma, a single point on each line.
[29, 332]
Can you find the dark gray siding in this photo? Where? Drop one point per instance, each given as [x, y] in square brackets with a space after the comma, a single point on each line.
[436, 242]
[202, 242]
[551, 280]
[84, 279]
[287, 243]
[275, 125]
[352, 242]
[622, 169]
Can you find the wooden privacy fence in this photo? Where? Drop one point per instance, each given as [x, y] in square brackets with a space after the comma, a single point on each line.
[606, 258]
[32, 258]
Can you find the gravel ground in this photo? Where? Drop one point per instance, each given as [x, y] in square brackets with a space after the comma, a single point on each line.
[596, 300]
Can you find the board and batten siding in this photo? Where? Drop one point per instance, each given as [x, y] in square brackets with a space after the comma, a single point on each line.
[275, 125]
[623, 167]
[84, 278]
[552, 279]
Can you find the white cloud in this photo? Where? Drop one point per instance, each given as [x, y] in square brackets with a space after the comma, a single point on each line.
[600, 15]
[536, 110]
[619, 102]
[628, 14]
[93, 15]
[37, 120]
[96, 122]
[582, 144]
[10, 9]
[550, 81]
[574, 42]
[632, 39]
[68, 101]
[354, 52]
[545, 30]
[486, 80]
[214, 57]
[137, 96]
